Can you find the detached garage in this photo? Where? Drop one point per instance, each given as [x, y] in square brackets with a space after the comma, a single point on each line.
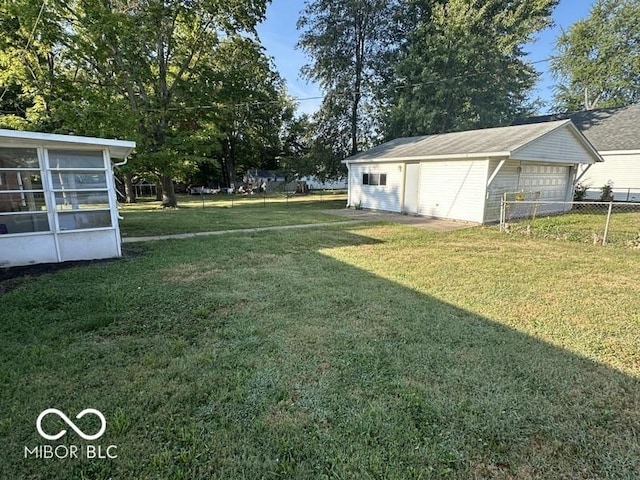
[463, 175]
[57, 198]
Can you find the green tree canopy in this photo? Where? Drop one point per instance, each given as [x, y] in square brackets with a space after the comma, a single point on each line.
[348, 42]
[598, 59]
[163, 72]
[461, 64]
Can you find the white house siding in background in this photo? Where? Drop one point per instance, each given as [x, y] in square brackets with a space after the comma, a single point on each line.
[622, 169]
[453, 189]
[615, 134]
[376, 197]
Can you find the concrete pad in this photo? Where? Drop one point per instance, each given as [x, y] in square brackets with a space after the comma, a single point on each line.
[429, 223]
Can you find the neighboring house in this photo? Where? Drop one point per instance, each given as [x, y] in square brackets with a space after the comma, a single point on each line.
[314, 183]
[615, 133]
[57, 198]
[464, 175]
[258, 177]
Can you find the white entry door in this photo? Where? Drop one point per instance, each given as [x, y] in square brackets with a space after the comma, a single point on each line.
[412, 188]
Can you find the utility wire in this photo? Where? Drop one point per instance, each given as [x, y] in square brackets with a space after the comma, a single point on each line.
[258, 103]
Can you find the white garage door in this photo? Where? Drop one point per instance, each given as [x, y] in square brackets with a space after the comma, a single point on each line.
[550, 180]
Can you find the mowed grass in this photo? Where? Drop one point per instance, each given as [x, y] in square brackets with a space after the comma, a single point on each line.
[375, 351]
[587, 226]
[227, 212]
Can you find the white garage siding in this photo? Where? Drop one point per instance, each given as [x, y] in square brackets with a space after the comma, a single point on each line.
[552, 181]
[376, 197]
[453, 189]
[557, 146]
[449, 172]
[507, 180]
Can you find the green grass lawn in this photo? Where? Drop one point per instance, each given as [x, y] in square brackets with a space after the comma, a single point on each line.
[227, 212]
[374, 351]
[587, 225]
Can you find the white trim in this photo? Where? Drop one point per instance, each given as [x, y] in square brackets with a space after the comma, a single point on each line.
[446, 156]
[577, 180]
[81, 230]
[620, 152]
[117, 148]
[549, 161]
[495, 172]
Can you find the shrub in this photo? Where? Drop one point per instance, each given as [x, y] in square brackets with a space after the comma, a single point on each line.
[606, 194]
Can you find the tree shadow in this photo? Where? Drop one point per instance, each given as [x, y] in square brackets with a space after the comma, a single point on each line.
[296, 364]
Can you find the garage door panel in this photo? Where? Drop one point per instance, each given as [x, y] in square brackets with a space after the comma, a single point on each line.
[551, 181]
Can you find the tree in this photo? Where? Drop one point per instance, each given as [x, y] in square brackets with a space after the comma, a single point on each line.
[308, 151]
[348, 43]
[253, 108]
[138, 69]
[598, 59]
[461, 64]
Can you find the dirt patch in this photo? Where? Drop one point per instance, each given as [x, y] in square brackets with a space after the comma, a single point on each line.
[12, 277]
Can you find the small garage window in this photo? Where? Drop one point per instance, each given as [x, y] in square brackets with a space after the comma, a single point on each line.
[374, 178]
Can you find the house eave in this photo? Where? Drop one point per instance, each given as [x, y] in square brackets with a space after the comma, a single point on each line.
[619, 152]
[117, 148]
[452, 156]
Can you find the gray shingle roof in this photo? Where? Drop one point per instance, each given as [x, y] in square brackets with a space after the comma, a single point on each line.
[606, 128]
[501, 140]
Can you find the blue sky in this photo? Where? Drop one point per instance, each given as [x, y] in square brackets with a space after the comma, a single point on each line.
[279, 36]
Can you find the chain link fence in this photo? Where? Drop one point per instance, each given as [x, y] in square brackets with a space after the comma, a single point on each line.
[600, 223]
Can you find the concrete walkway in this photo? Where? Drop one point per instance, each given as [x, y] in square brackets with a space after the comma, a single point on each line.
[179, 236]
[428, 223]
[354, 216]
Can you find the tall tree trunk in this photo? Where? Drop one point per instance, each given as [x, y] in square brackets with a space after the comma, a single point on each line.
[227, 162]
[360, 36]
[158, 190]
[168, 193]
[129, 191]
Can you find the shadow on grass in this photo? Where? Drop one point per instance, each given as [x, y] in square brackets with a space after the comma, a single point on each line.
[260, 356]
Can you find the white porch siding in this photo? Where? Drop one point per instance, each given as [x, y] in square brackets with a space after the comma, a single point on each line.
[453, 189]
[376, 197]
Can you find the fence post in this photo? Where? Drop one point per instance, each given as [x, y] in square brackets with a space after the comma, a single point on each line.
[502, 213]
[606, 226]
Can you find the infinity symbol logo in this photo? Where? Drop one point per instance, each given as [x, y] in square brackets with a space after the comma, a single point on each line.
[66, 419]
